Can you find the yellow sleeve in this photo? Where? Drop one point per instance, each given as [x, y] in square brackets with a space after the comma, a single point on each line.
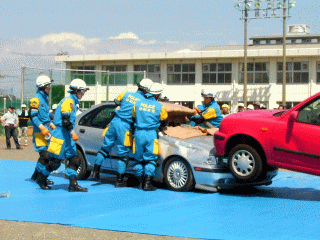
[120, 97]
[34, 103]
[163, 114]
[67, 106]
[209, 113]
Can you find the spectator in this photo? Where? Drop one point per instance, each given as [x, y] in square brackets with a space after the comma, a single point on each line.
[54, 107]
[225, 110]
[256, 106]
[10, 122]
[250, 107]
[281, 107]
[240, 107]
[262, 106]
[23, 124]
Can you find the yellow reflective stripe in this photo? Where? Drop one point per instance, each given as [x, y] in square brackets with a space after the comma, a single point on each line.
[134, 110]
[55, 145]
[128, 138]
[34, 103]
[120, 97]
[209, 113]
[67, 106]
[133, 146]
[163, 114]
[40, 140]
[156, 147]
[105, 131]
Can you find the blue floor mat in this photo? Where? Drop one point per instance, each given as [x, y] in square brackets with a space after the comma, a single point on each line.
[287, 209]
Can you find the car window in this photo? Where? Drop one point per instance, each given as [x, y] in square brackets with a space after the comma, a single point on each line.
[310, 113]
[98, 118]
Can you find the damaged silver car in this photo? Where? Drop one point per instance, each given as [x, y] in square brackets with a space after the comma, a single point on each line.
[183, 164]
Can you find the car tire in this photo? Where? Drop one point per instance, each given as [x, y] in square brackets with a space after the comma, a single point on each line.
[178, 175]
[245, 163]
[82, 172]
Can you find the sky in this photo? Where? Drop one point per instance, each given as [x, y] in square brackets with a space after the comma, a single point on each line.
[34, 31]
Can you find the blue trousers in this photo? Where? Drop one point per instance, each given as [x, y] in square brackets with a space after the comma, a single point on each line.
[146, 151]
[119, 134]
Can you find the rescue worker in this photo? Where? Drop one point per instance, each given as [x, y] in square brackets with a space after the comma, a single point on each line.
[62, 144]
[23, 124]
[148, 114]
[39, 116]
[209, 114]
[119, 132]
[250, 107]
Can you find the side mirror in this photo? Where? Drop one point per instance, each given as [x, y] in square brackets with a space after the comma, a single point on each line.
[293, 116]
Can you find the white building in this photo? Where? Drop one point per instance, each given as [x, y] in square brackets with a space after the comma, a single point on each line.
[219, 69]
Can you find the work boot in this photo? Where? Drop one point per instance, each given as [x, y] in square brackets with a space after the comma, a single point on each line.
[140, 179]
[96, 172]
[34, 175]
[120, 181]
[148, 184]
[74, 187]
[42, 181]
[49, 182]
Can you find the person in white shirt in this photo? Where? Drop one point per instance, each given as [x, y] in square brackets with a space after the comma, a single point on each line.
[23, 125]
[10, 122]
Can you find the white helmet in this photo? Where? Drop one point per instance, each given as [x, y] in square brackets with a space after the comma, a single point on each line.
[156, 89]
[23, 106]
[42, 81]
[145, 84]
[54, 106]
[250, 107]
[78, 84]
[205, 93]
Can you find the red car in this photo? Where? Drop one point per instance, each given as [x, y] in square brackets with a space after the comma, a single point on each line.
[257, 141]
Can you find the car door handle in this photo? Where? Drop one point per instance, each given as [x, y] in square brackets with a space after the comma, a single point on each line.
[82, 130]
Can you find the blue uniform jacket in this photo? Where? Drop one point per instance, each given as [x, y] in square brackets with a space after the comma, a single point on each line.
[67, 106]
[39, 107]
[211, 113]
[127, 100]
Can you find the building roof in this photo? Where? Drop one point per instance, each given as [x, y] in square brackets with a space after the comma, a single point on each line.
[288, 35]
[229, 51]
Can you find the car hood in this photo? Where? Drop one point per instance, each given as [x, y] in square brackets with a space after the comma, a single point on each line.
[201, 142]
[253, 114]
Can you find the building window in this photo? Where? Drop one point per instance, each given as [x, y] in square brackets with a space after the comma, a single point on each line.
[297, 72]
[88, 75]
[318, 72]
[213, 73]
[117, 75]
[257, 72]
[86, 104]
[152, 72]
[181, 74]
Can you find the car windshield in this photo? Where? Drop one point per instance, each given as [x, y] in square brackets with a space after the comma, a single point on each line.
[278, 114]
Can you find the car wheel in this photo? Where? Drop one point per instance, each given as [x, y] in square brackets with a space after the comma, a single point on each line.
[178, 175]
[245, 163]
[82, 172]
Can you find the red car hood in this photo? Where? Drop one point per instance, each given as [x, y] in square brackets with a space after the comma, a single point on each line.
[253, 114]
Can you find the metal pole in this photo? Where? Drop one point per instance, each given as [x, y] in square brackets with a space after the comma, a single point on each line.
[245, 74]
[22, 84]
[284, 77]
[50, 94]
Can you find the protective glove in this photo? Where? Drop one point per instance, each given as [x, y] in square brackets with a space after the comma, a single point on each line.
[44, 130]
[53, 127]
[74, 136]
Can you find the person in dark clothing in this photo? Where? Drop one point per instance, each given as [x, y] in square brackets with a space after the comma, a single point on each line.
[23, 125]
[10, 122]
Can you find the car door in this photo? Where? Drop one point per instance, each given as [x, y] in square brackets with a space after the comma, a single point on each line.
[91, 127]
[298, 139]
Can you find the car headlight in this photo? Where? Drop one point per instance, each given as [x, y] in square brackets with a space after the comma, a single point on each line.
[210, 160]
